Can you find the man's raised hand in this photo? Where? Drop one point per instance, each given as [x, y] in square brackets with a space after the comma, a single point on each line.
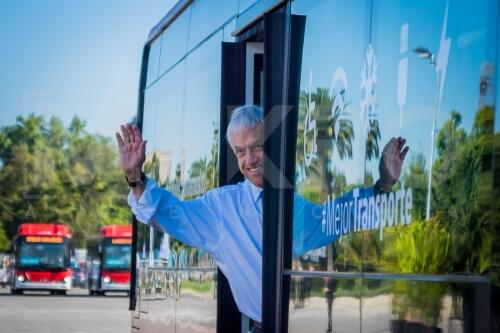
[391, 162]
[132, 150]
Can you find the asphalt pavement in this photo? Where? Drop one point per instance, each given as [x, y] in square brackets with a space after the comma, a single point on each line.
[74, 313]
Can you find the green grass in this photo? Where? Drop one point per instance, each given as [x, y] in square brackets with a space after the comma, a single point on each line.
[201, 287]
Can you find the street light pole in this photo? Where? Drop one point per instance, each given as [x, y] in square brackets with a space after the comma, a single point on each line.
[424, 53]
[433, 139]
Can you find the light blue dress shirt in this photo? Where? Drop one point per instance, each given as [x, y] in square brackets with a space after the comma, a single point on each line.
[227, 223]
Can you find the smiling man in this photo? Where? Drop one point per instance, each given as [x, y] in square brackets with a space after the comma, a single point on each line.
[227, 221]
[245, 134]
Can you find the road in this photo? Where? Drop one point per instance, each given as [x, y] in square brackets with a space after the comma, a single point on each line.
[74, 313]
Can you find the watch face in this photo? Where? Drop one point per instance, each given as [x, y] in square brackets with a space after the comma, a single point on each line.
[141, 180]
[130, 183]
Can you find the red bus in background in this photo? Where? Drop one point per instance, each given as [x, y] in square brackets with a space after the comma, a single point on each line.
[108, 260]
[42, 253]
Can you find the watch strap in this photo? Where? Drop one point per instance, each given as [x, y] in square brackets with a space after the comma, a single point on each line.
[141, 180]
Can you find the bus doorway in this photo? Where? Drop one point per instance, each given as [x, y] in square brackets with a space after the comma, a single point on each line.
[185, 103]
[254, 74]
[242, 83]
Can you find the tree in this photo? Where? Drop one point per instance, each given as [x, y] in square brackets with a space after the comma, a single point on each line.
[416, 179]
[4, 240]
[57, 174]
[334, 131]
[458, 236]
[198, 168]
[462, 188]
[372, 150]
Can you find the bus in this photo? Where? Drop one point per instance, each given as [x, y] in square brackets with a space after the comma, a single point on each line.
[42, 253]
[337, 80]
[108, 260]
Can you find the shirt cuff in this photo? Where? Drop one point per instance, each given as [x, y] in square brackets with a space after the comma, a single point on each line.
[145, 208]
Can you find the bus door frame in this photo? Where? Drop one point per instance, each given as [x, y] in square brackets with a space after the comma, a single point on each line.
[283, 44]
[232, 95]
[283, 36]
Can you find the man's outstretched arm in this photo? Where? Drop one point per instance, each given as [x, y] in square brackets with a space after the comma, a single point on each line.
[193, 222]
[312, 222]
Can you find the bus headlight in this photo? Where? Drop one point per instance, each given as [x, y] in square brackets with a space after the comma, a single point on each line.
[20, 278]
[106, 279]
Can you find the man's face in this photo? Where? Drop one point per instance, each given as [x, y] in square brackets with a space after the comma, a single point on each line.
[248, 146]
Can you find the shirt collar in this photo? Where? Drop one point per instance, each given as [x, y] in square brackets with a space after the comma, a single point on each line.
[255, 190]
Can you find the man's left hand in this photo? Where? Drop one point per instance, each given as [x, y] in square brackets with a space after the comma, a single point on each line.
[391, 163]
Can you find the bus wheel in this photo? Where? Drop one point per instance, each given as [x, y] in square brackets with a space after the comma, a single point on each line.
[16, 291]
[61, 292]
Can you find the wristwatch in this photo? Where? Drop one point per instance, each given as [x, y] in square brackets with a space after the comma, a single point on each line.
[379, 189]
[140, 181]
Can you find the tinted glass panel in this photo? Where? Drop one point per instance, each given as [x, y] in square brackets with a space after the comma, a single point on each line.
[198, 174]
[197, 294]
[245, 4]
[201, 116]
[162, 116]
[425, 72]
[337, 304]
[174, 41]
[158, 297]
[399, 77]
[117, 256]
[329, 157]
[228, 30]
[45, 255]
[440, 56]
[153, 61]
[165, 155]
[424, 306]
[181, 118]
[149, 119]
[207, 16]
[324, 305]
[495, 258]
[144, 253]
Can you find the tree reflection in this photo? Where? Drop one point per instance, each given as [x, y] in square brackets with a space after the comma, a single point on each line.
[372, 140]
[207, 167]
[457, 238]
[202, 175]
[335, 130]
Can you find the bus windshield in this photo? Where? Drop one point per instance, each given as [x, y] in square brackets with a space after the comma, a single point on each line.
[43, 255]
[117, 256]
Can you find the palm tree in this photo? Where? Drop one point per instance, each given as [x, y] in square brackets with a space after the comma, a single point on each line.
[372, 140]
[334, 130]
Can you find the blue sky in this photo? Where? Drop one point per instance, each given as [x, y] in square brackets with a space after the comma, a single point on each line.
[83, 57]
[68, 58]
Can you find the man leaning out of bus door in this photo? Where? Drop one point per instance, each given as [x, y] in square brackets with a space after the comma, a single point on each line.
[227, 221]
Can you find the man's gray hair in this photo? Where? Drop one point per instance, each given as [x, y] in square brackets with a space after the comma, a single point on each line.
[246, 117]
